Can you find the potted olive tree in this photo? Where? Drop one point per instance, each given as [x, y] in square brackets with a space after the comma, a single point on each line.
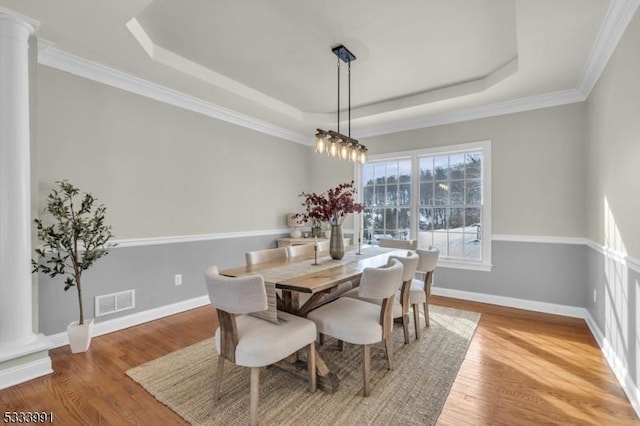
[74, 240]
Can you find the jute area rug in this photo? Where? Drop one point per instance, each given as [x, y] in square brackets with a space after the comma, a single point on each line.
[411, 394]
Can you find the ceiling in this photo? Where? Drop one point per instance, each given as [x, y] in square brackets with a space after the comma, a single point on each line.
[419, 62]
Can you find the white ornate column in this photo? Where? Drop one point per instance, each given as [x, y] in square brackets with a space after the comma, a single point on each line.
[23, 354]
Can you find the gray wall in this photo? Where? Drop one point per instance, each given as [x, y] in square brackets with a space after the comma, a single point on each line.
[541, 272]
[148, 269]
[162, 172]
[613, 203]
[538, 169]
[538, 175]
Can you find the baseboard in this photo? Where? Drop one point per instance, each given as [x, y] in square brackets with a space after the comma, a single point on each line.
[25, 362]
[109, 326]
[24, 372]
[529, 305]
[616, 364]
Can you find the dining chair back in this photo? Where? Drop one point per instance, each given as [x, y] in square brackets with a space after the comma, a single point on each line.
[410, 266]
[428, 259]
[420, 291]
[253, 342]
[400, 304]
[267, 255]
[301, 250]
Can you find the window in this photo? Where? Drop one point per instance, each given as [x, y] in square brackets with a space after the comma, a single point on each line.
[387, 195]
[439, 196]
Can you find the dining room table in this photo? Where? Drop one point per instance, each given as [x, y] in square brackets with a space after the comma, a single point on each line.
[318, 276]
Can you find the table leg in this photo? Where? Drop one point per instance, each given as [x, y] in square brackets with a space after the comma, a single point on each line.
[327, 380]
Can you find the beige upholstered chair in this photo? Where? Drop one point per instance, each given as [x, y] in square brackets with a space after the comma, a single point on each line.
[400, 244]
[363, 323]
[253, 342]
[401, 301]
[421, 289]
[267, 255]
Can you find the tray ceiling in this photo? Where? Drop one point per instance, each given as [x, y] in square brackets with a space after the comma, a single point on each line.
[272, 61]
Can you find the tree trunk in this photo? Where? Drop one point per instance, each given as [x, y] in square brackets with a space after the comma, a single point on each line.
[79, 288]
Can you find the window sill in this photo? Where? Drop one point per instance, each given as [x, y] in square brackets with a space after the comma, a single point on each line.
[483, 267]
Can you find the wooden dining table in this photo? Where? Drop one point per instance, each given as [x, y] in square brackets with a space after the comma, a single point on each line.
[318, 276]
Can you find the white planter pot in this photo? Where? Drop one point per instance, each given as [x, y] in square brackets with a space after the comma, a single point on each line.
[80, 336]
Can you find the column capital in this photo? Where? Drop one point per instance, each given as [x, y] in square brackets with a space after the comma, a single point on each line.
[18, 18]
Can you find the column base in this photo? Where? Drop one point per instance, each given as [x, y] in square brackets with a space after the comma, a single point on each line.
[25, 362]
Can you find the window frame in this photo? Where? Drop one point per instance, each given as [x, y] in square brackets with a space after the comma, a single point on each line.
[483, 146]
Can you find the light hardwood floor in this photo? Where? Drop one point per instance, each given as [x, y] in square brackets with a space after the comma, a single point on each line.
[521, 368]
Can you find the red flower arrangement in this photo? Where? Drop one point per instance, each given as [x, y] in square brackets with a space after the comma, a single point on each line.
[330, 206]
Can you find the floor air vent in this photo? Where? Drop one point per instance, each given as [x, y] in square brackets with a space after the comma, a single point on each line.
[115, 302]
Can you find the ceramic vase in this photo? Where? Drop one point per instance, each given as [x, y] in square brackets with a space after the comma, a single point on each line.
[336, 243]
[80, 336]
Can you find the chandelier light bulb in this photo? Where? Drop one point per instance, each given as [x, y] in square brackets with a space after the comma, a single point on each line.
[344, 150]
[363, 156]
[354, 153]
[333, 147]
[320, 143]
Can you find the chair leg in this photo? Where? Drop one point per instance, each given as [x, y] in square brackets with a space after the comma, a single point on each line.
[426, 314]
[218, 380]
[405, 328]
[320, 339]
[311, 366]
[341, 345]
[255, 383]
[366, 368]
[388, 342]
[416, 319]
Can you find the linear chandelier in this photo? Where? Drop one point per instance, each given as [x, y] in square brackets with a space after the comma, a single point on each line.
[335, 144]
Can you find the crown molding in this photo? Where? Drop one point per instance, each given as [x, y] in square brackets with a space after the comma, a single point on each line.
[617, 18]
[31, 23]
[619, 14]
[546, 100]
[53, 57]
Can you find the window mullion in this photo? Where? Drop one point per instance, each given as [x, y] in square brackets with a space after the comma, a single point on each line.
[415, 198]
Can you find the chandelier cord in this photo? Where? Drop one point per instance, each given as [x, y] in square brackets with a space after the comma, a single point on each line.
[338, 95]
[349, 73]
